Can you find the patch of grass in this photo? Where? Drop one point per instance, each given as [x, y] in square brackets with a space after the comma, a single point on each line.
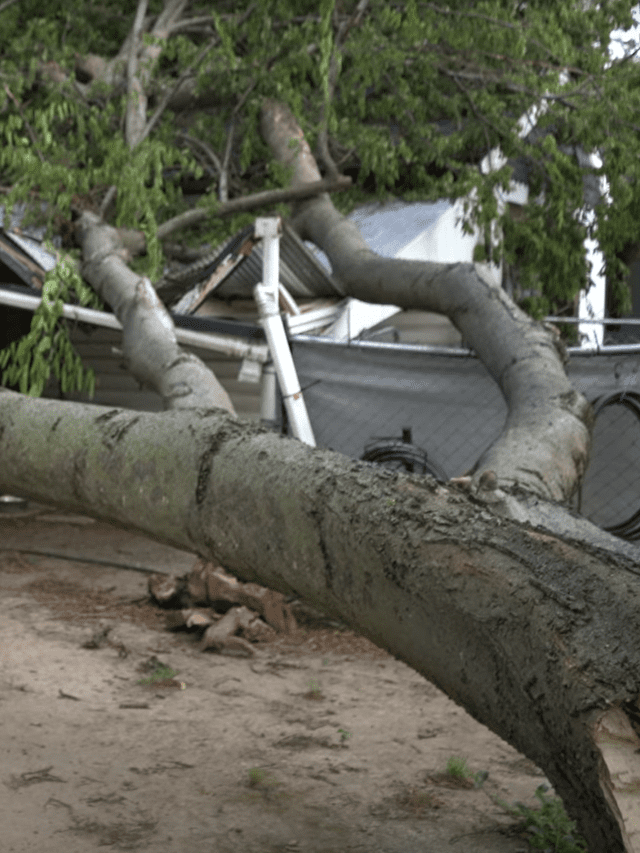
[344, 736]
[457, 768]
[160, 673]
[548, 828]
[314, 692]
[458, 772]
[264, 786]
[258, 777]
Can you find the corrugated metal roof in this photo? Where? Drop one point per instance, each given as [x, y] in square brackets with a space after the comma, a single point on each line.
[300, 272]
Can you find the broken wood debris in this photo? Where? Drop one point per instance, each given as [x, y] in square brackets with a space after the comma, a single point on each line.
[231, 614]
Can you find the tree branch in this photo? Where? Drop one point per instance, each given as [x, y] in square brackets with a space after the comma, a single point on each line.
[136, 97]
[6, 4]
[137, 83]
[169, 95]
[545, 443]
[151, 350]
[333, 70]
[251, 202]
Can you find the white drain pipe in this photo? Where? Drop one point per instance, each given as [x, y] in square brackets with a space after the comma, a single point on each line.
[266, 297]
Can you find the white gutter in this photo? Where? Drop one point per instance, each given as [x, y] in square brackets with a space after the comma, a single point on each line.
[226, 344]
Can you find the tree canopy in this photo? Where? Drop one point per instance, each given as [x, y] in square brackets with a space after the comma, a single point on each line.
[404, 97]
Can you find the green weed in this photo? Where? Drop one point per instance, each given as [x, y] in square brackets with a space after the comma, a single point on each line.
[160, 673]
[549, 827]
[457, 768]
[344, 736]
[257, 777]
[314, 692]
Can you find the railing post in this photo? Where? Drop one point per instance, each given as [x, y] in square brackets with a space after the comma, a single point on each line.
[266, 296]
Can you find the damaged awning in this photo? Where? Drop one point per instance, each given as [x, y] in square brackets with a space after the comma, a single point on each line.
[229, 271]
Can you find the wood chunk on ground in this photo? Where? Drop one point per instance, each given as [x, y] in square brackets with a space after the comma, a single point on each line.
[251, 612]
[190, 618]
[164, 588]
[221, 636]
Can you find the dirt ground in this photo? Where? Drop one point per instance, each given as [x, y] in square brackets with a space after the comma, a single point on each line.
[319, 743]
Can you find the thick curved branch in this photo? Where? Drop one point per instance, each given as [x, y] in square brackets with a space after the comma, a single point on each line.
[545, 443]
[149, 342]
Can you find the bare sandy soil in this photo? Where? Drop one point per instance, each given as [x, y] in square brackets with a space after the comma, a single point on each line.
[320, 743]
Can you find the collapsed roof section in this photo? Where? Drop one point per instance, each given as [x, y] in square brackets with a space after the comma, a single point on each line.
[230, 271]
[23, 257]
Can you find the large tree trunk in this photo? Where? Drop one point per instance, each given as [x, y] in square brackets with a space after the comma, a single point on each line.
[536, 637]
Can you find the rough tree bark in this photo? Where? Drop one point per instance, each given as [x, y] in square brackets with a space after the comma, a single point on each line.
[544, 446]
[537, 637]
[151, 351]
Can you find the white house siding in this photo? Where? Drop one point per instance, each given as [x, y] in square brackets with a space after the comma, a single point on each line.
[100, 349]
[423, 327]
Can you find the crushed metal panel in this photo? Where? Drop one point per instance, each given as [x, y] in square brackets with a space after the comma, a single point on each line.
[192, 299]
[300, 272]
[20, 263]
[21, 248]
[34, 249]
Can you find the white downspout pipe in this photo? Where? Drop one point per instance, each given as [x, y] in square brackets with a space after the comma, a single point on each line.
[268, 410]
[266, 297]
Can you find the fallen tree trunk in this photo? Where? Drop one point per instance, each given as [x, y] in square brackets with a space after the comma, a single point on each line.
[538, 638]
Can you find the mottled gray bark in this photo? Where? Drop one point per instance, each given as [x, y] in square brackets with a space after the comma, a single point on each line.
[537, 637]
[545, 444]
[151, 351]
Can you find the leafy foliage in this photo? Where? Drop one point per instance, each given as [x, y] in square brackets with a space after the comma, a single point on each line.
[548, 828]
[47, 348]
[423, 92]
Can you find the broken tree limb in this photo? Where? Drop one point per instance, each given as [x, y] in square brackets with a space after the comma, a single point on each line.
[221, 635]
[212, 584]
[209, 584]
[251, 202]
[135, 243]
[538, 638]
[544, 446]
[151, 350]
